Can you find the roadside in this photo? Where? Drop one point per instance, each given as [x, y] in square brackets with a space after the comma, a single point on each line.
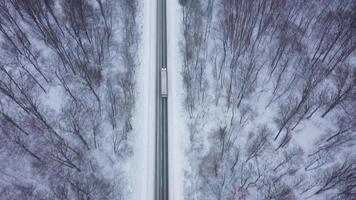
[142, 166]
[176, 123]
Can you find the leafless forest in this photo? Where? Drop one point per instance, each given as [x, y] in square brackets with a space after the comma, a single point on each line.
[269, 95]
[270, 89]
[67, 91]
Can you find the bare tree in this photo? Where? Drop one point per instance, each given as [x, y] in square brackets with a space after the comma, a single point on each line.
[345, 82]
[258, 142]
[340, 177]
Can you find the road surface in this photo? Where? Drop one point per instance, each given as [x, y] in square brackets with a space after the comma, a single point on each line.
[161, 166]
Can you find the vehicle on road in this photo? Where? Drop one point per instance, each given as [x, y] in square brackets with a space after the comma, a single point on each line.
[164, 89]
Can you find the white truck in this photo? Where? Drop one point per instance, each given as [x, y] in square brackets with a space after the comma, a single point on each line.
[164, 89]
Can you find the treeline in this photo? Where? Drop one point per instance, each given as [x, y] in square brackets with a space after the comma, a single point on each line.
[67, 92]
[263, 72]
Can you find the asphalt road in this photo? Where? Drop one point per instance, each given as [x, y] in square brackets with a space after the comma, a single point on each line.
[161, 158]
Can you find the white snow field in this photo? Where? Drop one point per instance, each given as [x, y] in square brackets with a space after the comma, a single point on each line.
[176, 125]
[142, 164]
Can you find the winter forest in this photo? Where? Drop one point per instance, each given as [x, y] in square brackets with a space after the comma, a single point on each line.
[66, 97]
[268, 99]
[270, 89]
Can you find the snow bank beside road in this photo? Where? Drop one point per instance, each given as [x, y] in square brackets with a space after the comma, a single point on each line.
[176, 124]
[142, 165]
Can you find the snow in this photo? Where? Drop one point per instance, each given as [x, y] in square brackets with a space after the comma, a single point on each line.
[142, 164]
[54, 98]
[310, 131]
[176, 124]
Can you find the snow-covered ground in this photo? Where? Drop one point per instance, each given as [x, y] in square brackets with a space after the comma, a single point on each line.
[257, 128]
[142, 164]
[176, 124]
